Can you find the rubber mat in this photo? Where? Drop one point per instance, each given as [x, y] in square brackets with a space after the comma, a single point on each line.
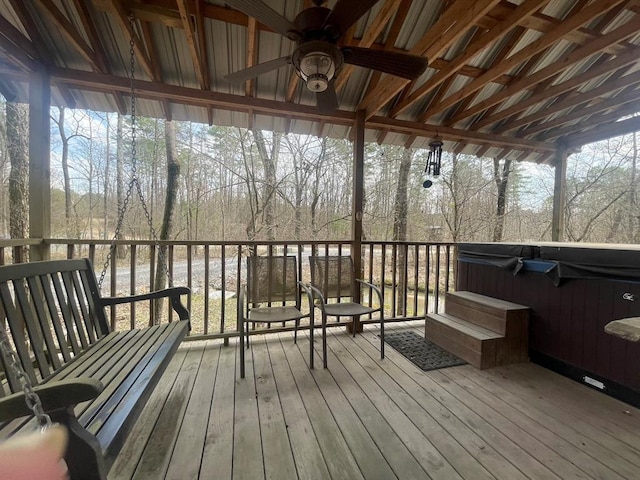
[422, 352]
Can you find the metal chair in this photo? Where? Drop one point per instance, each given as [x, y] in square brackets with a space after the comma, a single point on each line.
[334, 277]
[271, 280]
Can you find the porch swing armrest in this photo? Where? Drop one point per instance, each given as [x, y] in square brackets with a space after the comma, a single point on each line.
[174, 293]
[55, 395]
[373, 287]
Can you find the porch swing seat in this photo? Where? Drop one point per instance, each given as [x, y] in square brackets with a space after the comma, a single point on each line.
[93, 380]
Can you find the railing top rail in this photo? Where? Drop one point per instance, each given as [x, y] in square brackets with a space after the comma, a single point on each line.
[20, 242]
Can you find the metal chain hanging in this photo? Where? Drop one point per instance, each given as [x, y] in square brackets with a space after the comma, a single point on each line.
[31, 398]
[134, 182]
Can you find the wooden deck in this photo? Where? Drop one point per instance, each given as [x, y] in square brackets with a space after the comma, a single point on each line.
[366, 418]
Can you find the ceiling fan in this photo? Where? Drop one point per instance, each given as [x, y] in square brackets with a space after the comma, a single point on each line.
[317, 58]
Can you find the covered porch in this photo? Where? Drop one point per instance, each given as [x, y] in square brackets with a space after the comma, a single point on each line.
[363, 418]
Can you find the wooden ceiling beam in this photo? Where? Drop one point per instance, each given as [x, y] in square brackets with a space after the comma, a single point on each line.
[569, 24]
[12, 34]
[507, 49]
[195, 49]
[252, 54]
[453, 23]
[394, 32]
[615, 66]
[542, 23]
[16, 53]
[456, 135]
[70, 33]
[202, 42]
[603, 132]
[196, 97]
[371, 33]
[625, 31]
[98, 49]
[118, 11]
[562, 125]
[498, 31]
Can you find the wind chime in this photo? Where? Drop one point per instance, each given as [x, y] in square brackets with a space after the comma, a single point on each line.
[434, 161]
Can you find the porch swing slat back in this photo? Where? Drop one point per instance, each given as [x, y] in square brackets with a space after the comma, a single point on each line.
[58, 329]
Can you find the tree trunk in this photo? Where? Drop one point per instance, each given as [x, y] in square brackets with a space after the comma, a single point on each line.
[634, 214]
[18, 147]
[120, 250]
[173, 174]
[400, 229]
[269, 187]
[502, 182]
[107, 167]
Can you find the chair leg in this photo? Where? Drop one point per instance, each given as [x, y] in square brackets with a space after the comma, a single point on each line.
[382, 338]
[324, 340]
[295, 332]
[353, 325]
[241, 348]
[311, 329]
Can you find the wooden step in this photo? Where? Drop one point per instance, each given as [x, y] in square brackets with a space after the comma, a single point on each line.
[506, 318]
[476, 345]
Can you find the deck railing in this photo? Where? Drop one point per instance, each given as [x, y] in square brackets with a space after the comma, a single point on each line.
[414, 276]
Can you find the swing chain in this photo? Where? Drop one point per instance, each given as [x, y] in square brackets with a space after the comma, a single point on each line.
[134, 176]
[31, 397]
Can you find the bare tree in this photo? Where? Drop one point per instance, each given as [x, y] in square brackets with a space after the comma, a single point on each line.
[502, 180]
[401, 210]
[173, 174]
[18, 148]
[269, 160]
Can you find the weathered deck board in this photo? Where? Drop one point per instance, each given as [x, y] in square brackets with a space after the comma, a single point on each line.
[372, 419]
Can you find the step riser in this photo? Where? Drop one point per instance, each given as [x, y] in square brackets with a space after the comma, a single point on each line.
[490, 322]
[433, 325]
[511, 322]
[473, 357]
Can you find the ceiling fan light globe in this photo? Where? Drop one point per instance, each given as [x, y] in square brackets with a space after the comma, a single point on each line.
[317, 63]
[317, 82]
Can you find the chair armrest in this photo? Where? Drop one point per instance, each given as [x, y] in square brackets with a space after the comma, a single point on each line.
[373, 287]
[316, 294]
[174, 293]
[53, 396]
[307, 289]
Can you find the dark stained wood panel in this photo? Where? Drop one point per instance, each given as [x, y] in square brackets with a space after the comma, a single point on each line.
[567, 322]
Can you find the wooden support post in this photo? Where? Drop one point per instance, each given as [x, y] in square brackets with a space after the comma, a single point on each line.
[39, 162]
[559, 195]
[358, 202]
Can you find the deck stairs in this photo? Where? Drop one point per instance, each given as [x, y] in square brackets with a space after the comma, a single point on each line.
[485, 332]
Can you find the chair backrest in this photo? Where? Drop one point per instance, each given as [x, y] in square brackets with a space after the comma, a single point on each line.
[272, 279]
[333, 275]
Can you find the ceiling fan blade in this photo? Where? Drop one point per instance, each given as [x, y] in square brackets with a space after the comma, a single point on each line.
[259, 69]
[264, 14]
[328, 100]
[399, 64]
[348, 12]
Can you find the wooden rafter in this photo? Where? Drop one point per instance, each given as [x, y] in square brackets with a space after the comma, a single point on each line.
[70, 33]
[603, 132]
[543, 43]
[622, 105]
[373, 30]
[449, 27]
[577, 55]
[97, 47]
[252, 54]
[498, 31]
[121, 16]
[196, 49]
[617, 81]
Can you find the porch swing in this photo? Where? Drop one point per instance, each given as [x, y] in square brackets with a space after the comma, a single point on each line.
[63, 365]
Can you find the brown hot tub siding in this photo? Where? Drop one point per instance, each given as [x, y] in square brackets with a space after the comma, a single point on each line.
[567, 322]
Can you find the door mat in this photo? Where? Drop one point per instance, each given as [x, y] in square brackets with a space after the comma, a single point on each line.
[422, 352]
